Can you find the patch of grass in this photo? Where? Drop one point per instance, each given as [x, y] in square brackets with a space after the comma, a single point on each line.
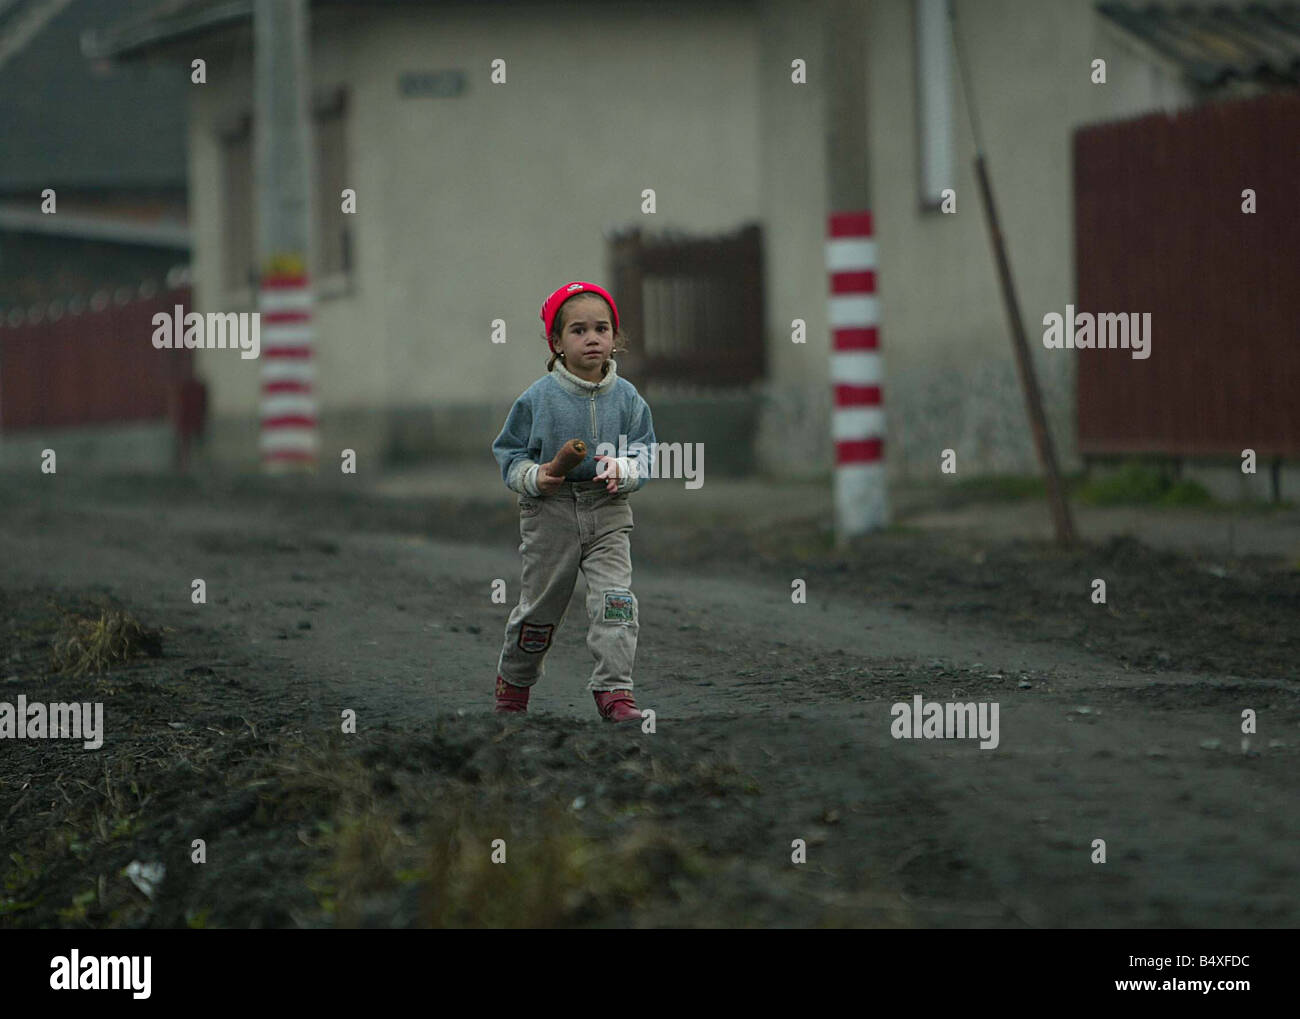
[1137, 485]
[555, 877]
[11, 907]
[1186, 493]
[21, 874]
[94, 821]
[441, 865]
[805, 546]
[86, 645]
[1003, 487]
[76, 912]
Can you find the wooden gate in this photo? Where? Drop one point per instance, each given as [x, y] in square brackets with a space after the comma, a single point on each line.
[693, 309]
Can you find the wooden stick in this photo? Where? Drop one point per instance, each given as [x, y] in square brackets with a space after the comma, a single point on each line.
[570, 455]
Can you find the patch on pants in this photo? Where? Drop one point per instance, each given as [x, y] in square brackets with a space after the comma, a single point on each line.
[618, 606]
[535, 637]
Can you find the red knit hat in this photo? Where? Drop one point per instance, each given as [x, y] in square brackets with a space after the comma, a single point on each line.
[552, 304]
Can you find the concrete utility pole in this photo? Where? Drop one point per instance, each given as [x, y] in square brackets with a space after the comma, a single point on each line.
[283, 169]
[857, 409]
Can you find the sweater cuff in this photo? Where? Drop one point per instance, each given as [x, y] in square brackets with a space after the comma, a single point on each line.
[627, 473]
[529, 480]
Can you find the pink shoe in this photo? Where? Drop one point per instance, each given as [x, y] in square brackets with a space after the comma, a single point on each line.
[617, 705]
[511, 699]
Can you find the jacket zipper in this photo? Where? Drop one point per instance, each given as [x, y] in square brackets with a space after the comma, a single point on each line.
[595, 439]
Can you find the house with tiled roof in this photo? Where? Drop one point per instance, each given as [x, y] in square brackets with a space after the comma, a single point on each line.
[496, 149]
[108, 139]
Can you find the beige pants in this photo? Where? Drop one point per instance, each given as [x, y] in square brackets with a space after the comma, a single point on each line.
[583, 527]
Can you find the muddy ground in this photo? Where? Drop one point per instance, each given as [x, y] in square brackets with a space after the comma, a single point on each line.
[1119, 722]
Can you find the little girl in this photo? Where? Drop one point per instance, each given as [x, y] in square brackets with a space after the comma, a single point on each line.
[581, 521]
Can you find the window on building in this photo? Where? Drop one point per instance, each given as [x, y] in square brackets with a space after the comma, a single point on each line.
[239, 245]
[333, 226]
[332, 257]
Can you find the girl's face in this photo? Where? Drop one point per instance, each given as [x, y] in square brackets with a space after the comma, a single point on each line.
[587, 339]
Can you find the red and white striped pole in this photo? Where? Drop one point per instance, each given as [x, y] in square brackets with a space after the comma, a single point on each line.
[288, 410]
[857, 410]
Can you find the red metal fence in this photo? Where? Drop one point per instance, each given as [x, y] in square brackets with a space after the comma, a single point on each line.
[93, 367]
[1159, 228]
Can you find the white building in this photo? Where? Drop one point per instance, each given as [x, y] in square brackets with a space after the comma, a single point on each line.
[476, 199]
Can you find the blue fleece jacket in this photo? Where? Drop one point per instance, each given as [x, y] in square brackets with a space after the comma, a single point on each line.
[560, 406]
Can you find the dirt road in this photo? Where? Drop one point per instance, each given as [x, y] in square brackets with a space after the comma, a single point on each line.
[1118, 722]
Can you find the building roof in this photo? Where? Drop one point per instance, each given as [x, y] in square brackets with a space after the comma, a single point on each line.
[1219, 45]
[68, 121]
[148, 233]
[173, 20]
[168, 21]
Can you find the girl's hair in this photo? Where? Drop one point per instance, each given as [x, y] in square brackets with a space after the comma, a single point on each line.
[557, 330]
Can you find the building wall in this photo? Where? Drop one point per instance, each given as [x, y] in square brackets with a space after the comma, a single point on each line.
[795, 403]
[950, 376]
[468, 211]
[469, 208]
[351, 343]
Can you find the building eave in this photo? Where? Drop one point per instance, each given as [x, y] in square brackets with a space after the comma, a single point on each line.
[137, 40]
[158, 234]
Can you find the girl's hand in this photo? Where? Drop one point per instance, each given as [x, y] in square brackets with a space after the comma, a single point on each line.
[607, 472]
[548, 484]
